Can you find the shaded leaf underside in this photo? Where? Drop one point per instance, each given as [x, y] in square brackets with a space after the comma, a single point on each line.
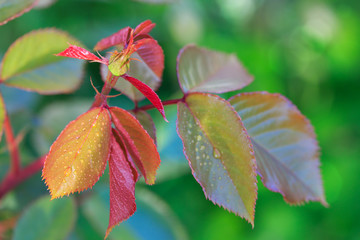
[219, 152]
[285, 146]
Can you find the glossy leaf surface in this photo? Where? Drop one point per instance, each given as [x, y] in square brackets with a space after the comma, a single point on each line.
[74, 51]
[148, 93]
[45, 219]
[78, 157]
[2, 115]
[285, 145]
[149, 158]
[219, 152]
[122, 187]
[30, 63]
[147, 122]
[10, 9]
[203, 70]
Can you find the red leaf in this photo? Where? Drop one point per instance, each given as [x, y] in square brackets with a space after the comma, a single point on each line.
[119, 38]
[125, 139]
[144, 28]
[152, 54]
[122, 187]
[149, 157]
[148, 93]
[80, 53]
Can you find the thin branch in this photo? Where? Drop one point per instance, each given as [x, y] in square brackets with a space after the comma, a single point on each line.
[12, 146]
[12, 180]
[168, 102]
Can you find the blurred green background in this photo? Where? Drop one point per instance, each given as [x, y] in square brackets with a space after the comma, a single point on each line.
[307, 50]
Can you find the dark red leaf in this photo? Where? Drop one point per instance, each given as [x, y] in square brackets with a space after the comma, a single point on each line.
[122, 187]
[118, 38]
[125, 139]
[77, 52]
[148, 93]
[144, 144]
[144, 28]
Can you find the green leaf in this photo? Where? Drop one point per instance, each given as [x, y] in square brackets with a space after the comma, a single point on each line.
[46, 219]
[2, 114]
[219, 152]
[10, 9]
[286, 150]
[203, 70]
[30, 63]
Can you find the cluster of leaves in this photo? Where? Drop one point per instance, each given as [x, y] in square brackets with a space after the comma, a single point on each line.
[221, 138]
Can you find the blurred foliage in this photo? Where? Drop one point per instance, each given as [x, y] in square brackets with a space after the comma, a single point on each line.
[308, 51]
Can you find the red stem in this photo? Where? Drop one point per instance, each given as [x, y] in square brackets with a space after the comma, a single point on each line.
[150, 106]
[12, 180]
[12, 146]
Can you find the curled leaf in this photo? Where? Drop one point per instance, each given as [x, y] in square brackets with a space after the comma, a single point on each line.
[148, 93]
[118, 38]
[78, 157]
[285, 146]
[219, 152]
[148, 155]
[144, 28]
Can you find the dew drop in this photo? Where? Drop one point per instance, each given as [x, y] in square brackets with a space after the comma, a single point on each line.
[190, 125]
[202, 147]
[67, 171]
[216, 153]
[189, 132]
[198, 138]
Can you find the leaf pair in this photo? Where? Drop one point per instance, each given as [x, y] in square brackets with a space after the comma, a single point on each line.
[79, 155]
[223, 138]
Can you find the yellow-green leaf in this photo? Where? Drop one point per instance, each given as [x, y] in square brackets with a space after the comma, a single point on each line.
[10, 9]
[286, 150]
[219, 152]
[78, 157]
[30, 64]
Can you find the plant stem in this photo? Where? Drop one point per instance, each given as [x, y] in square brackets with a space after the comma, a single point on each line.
[12, 180]
[150, 106]
[12, 146]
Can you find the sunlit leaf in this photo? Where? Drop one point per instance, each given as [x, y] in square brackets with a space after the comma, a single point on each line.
[219, 152]
[30, 63]
[286, 150]
[118, 38]
[10, 9]
[78, 157]
[148, 156]
[147, 122]
[122, 187]
[2, 115]
[46, 219]
[148, 93]
[203, 70]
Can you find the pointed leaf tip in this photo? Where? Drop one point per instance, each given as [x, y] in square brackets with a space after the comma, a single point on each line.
[74, 51]
[148, 93]
[285, 146]
[122, 187]
[78, 157]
